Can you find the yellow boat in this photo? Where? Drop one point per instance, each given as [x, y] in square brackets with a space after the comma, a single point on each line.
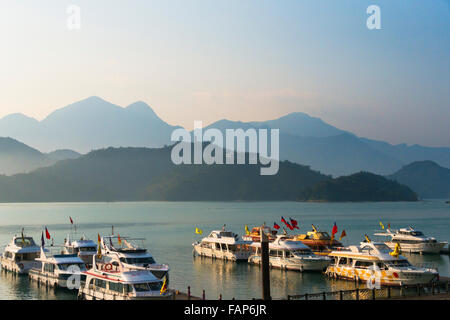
[320, 242]
[376, 264]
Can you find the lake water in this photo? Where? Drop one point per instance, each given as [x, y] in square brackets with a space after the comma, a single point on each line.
[169, 230]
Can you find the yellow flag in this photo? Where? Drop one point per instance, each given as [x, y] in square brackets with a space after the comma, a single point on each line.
[198, 231]
[367, 238]
[381, 225]
[164, 286]
[396, 251]
[247, 232]
[99, 252]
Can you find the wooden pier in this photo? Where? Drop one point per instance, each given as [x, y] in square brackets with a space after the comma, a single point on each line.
[438, 290]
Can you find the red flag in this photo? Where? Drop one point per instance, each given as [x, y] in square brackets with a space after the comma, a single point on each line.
[343, 234]
[335, 229]
[294, 223]
[275, 226]
[286, 223]
[47, 234]
[71, 221]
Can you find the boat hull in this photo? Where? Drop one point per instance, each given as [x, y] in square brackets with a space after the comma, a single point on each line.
[91, 294]
[384, 277]
[225, 255]
[426, 247]
[22, 267]
[53, 280]
[297, 265]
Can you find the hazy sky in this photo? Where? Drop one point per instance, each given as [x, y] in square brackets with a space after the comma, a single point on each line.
[237, 59]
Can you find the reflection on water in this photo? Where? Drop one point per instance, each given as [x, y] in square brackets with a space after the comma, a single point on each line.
[244, 280]
[169, 230]
[13, 287]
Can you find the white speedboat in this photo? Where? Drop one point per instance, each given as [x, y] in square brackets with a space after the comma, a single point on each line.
[223, 244]
[20, 255]
[109, 279]
[58, 269]
[412, 241]
[83, 248]
[132, 253]
[285, 253]
[374, 261]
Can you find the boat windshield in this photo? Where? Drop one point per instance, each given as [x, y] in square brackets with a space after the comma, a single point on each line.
[150, 286]
[302, 252]
[323, 235]
[24, 242]
[382, 247]
[144, 260]
[65, 266]
[417, 233]
[88, 249]
[398, 263]
[227, 234]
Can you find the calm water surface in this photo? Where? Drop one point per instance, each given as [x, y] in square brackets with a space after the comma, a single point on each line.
[169, 230]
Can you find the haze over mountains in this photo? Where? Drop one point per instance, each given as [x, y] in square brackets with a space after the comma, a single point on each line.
[90, 124]
[16, 157]
[426, 178]
[94, 123]
[140, 174]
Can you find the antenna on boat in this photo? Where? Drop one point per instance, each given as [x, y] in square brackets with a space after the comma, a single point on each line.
[112, 230]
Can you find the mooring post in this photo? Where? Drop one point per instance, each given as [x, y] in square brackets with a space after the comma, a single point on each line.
[389, 292]
[203, 295]
[357, 293]
[265, 266]
[324, 295]
[189, 293]
[341, 295]
[373, 294]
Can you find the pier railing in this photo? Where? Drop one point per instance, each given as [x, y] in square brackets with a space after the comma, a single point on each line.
[406, 291]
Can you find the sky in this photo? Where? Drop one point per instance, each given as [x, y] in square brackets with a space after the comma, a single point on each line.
[247, 60]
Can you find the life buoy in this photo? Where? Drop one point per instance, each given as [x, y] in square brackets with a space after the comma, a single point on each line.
[108, 267]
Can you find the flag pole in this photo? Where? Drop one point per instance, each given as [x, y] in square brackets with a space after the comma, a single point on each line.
[265, 266]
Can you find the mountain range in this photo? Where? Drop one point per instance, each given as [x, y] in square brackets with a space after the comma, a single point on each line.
[94, 123]
[16, 157]
[426, 178]
[90, 124]
[138, 174]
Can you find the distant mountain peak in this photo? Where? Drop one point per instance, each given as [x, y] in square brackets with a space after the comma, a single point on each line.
[18, 117]
[141, 107]
[422, 164]
[426, 177]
